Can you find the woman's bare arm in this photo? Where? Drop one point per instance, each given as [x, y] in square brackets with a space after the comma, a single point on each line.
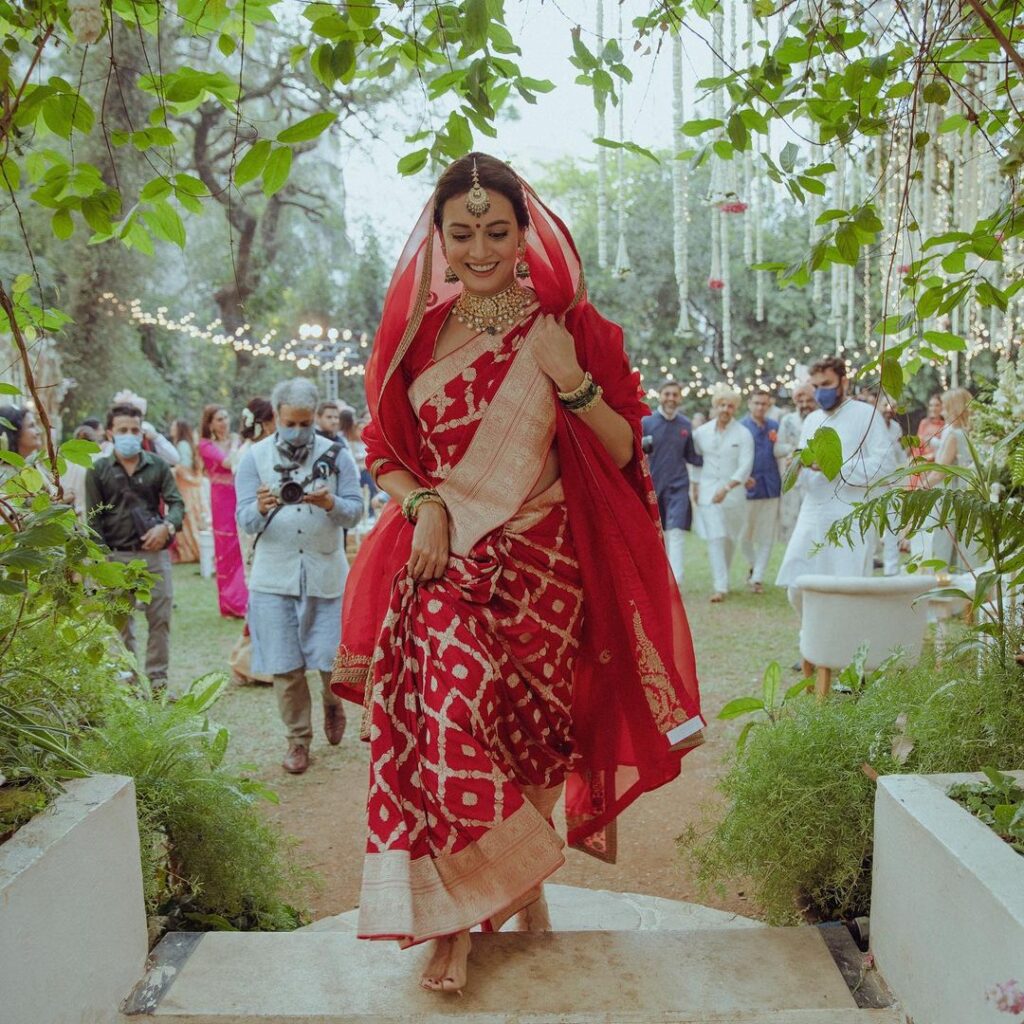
[429, 556]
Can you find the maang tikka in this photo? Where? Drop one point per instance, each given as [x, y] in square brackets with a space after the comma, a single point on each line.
[478, 202]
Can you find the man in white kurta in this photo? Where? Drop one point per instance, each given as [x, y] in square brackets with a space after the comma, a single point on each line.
[789, 440]
[728, 452]
[865, 443]
[897, 458]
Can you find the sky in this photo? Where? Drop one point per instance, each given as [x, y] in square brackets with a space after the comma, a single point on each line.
[562, 123]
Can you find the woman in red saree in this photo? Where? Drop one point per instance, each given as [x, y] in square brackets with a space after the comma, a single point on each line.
[511, 625]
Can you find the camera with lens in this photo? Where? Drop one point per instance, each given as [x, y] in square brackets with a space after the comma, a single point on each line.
[647, 443]
[290, 490]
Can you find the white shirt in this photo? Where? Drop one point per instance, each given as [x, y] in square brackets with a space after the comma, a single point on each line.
[728, 457]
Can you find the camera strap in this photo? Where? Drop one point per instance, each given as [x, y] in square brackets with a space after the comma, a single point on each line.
[328, 460]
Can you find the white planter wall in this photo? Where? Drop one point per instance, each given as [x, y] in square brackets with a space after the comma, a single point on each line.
[947, 903]
[72, 921]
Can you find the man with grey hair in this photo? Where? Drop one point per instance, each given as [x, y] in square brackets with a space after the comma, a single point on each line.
[297, 492]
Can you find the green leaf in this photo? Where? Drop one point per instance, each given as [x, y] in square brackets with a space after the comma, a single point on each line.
[79, 452]
[165, 222]
[226, 44]
[737, 131]
[945, 341]
[935, 92]
[954, 262]
[930, 301]
[308, 128]
[989, 295]
[277, 169]
[9, 389]
[848, 242]
[476, 21]
[700, 126]
[62, 224]
[892, 376]
[413, 162]
[771, 684]
[741, 706]
[787, 158]
[251, 165]
[796, 690]
[825, 449]
[158, 188]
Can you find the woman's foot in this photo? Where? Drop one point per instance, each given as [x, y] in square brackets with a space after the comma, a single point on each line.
[534, 917]
[446, 971]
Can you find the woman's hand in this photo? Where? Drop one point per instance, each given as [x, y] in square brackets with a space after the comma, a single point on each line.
[555, 351]
[429, 557]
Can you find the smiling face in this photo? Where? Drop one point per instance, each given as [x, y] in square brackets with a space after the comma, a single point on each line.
[482, 250]
[723, 409]
[935, 407]
[670, 396]
[220, 425]
[803, 399]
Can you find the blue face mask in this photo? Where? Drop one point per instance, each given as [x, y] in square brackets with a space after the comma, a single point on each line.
[295, 437]
[127, 445]
[827, 398]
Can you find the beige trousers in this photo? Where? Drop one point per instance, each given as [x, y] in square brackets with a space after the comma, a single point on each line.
[759, 535]
[295, 704]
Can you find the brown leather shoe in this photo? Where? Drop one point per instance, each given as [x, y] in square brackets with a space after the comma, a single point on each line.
[334, 723]
[296, 760]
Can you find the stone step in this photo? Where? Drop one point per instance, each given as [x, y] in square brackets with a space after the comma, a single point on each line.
[574, 909]
[717, 976]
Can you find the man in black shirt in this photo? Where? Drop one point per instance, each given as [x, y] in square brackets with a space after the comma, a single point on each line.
[124, 494]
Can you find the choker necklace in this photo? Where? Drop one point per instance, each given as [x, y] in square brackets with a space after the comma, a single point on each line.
[491, 312]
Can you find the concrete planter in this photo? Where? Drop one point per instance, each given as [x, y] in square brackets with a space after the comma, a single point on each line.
[72, 921]
[947, 905]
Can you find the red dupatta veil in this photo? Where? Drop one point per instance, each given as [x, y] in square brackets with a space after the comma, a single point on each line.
[636, 704]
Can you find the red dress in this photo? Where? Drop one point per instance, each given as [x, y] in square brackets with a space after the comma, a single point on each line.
[553, 650]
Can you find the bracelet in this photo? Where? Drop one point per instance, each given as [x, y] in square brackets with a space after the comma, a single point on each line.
[419, 496]
[589, 401]
[579, 392]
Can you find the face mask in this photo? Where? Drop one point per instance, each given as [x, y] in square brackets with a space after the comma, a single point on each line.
[827, 398]
[295, 437]
[127, 445]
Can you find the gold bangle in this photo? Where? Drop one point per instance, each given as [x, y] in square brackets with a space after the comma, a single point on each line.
[578, 392]
[591, 401]
[419, 496]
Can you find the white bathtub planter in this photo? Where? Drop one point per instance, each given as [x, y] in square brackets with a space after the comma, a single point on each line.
[72, 921]
[947, 902]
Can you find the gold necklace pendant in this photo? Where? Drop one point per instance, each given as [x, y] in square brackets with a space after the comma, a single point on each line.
[490, 313]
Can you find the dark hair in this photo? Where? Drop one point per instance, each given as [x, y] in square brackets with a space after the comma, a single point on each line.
[14, 415]
[835, 363]
[346, 419]
[91, 421]
[209, 411]
[184, 431]
[123, 409]
[494, 175]
[670, 383]
[262, 411]
[324, 406]
[761, 391]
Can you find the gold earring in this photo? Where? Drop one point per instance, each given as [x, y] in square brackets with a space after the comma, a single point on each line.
[450, 276]
[522, 267]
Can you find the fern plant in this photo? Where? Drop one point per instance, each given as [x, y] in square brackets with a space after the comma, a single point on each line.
[966, 503]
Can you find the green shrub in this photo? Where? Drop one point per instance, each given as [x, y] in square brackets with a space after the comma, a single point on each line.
[210, 858]
[799, 819]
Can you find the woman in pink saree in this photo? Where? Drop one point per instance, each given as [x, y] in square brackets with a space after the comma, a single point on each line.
[216, 448]
[529, 636]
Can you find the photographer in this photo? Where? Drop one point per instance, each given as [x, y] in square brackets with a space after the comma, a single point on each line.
[123, 492]
[296, 492]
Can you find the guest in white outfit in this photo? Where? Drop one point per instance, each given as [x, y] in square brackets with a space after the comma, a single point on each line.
[897, 459]
[728, 453]
[789, 440]
[865, 445]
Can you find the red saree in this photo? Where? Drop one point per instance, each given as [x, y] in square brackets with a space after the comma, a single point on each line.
[555, 647]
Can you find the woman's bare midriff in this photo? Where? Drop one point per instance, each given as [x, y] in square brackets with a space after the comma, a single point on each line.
[548, 476]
